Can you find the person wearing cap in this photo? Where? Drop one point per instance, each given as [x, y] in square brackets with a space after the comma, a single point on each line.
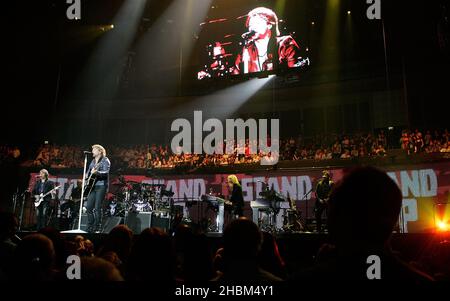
[323, 190]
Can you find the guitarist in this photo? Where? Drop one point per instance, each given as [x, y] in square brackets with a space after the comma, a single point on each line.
[96, 188]
[237, 198]
[42, 186]
[323, 190]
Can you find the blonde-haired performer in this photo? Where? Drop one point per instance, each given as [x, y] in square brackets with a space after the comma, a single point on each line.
[43, 186]
[98, 172]
[236, 195]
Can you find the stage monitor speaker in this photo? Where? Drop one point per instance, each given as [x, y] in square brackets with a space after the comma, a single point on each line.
[110, 222]
[138, 221]
[162, 222]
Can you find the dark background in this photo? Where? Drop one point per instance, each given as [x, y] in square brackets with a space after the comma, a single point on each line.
[46, 96]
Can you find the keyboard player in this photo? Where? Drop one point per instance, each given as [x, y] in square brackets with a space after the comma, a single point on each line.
[237, 198]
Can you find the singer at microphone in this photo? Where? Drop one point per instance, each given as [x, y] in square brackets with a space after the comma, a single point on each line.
[248, 34]
[99, 167]
[264, 48]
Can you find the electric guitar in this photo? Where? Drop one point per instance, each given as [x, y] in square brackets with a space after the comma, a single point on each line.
[39, 198]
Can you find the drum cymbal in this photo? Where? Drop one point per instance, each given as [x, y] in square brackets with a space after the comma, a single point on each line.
[118, 184]
[132, 182]
[153, 185]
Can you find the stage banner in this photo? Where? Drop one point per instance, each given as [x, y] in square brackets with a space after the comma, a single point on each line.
[424, 187]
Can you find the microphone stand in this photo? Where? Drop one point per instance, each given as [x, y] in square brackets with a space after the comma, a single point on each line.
[15, 200]
[81, 201]
[246, 54]
[305, 198]
[21, 211]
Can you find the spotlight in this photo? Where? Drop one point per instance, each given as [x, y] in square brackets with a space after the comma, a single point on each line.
[349, 12]
[235, 96]
[111, 26]
[312, 23]
[442, 217]
[442, 226]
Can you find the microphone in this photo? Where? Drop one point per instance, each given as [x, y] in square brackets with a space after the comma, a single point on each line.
[248, 34]
[86, 152]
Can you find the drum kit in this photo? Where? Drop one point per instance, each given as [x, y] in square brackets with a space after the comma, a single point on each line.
[131, 196]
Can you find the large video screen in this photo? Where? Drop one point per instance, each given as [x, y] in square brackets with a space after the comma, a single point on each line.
[249, 39]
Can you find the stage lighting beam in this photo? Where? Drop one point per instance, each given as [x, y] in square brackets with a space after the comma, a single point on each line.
[223, 103]
[104, 67]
